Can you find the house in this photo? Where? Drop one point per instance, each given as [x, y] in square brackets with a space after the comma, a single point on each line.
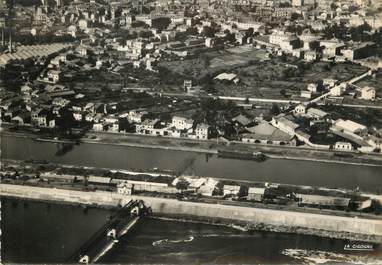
[343, 146]
[338, 90]
[242, 120]
[210, 42]
[60, 102]
[255, 194]
[46, 120]
[147, 126]
[331, 48]
[77, 116]
[98, 127]
[53, 76]
[202, 131]
[317, 114]
[231, 190]
[265, 133]
[22, 118]
[306, 94]
[329, 82]
[311, 56]
[312, 87]
[368, 93]
[300, 109]
[124, 188]
[282, 122]
[181, 123]
[136, 116]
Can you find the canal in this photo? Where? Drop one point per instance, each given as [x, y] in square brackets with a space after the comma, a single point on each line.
[367, 178]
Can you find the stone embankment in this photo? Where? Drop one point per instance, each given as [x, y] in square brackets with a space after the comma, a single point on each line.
[253, 218]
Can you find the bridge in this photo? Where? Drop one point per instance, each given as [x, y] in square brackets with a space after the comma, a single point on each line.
[108, 235]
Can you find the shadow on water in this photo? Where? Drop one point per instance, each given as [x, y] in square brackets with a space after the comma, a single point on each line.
[63, 149]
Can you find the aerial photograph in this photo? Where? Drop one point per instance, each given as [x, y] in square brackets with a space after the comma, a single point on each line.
[191, 131]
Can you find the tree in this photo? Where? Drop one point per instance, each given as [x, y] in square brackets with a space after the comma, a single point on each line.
[283, 92]
[182, 185]
[275, 110]
[192, 31]
[208, 32]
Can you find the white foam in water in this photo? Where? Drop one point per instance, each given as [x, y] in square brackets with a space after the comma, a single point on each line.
[162, 241]
[324, 257]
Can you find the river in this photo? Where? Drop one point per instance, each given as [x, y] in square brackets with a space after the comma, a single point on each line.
[367, 178]
[37, 232]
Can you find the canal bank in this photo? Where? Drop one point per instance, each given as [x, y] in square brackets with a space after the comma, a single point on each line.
[213, 147]
[362, 229]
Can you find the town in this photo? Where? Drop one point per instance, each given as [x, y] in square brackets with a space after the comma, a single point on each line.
[270, 73]
[183, 131]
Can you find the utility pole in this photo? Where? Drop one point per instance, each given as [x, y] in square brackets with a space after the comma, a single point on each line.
[2, 37]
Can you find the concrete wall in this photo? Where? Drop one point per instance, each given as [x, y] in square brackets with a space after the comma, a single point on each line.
[252, 216]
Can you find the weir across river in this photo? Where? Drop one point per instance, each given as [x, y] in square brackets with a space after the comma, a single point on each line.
[108, 235]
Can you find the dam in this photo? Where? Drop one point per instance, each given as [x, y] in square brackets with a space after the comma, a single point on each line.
[108, 235]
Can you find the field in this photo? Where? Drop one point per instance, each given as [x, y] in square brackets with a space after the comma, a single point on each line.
[375, 82]
[215, 62]
[259, 74]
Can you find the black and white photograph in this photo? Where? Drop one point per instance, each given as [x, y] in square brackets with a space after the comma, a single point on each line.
[191, 132]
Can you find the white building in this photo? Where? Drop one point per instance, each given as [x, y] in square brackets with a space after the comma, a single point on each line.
[300, 109]
[182, 123]
[306, 94]
[368, 93]
[338, 90]
[343, 146]
[284, 124]
[312, 87]
[202, 131]
[231, 190]
[350, 127]
[124, 188]
[54, 76]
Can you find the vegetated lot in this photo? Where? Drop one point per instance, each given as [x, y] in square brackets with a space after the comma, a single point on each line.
[340, 71]
[214, 62]
[368, 117]
[375, 82]
[326, 139]
[259, 75]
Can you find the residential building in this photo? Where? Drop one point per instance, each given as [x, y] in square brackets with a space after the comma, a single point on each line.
[283, 123]
[53, 76]
[343, 146]
[182, 123]
[202, 131]
[147, 126]
[300, 109]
